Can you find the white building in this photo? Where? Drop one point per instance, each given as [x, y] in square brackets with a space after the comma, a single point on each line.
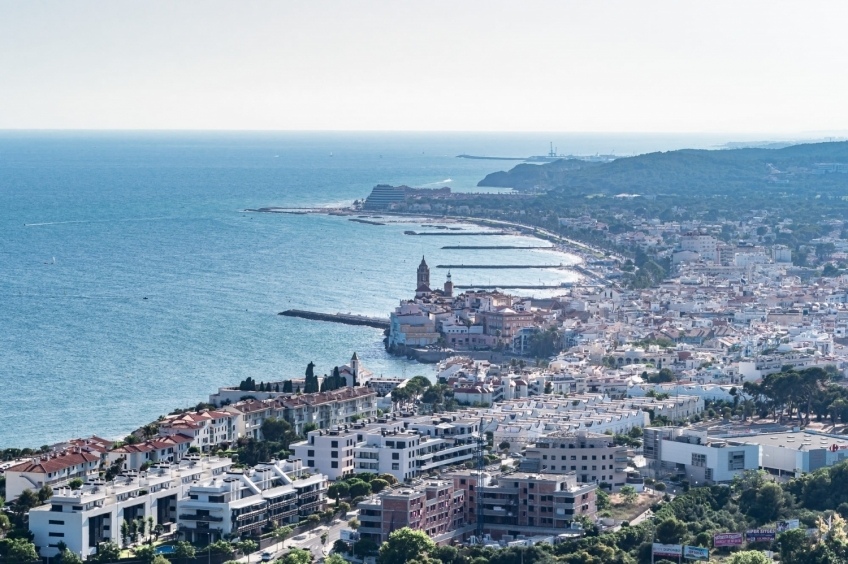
[793, 453]
[203, 498]
[703, 460]
[54, 470]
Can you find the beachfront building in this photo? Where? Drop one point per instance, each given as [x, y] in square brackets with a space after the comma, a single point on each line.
[53, 469]
[411, 326]
[171, 448]
[206, 428]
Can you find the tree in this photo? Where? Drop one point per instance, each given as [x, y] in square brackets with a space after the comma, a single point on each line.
[359, 488]
[504, 445]
[549, 387]
[26, 501]
[629, 494]
[159, 559]
[246, 547]
[310, 384]
[183, 549]
[671, 531]
[297, 556]
[338, 490]
[389, 478]
[20, 550]
[145, 553]
[335, 559]
[364, 547]
[354, 523]
[749, 557]
[76, 483]
[378, 485]
[108, 552]
[282, 533]
[288, 388]
[404, 545]
[68, 557]
[341, 546]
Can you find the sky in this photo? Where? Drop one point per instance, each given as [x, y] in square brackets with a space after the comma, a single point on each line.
[573, 66]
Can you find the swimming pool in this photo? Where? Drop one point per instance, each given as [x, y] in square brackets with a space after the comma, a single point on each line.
[164, 549]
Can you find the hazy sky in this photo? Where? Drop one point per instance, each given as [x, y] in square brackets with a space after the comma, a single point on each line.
[724, 66]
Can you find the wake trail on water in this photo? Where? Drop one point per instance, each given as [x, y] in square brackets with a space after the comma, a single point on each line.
[41, 224]
[440, 182]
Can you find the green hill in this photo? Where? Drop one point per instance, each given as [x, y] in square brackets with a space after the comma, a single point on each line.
[688, 171]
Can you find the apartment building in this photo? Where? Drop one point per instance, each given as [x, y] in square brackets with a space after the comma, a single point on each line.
[242, 502]
[54, 470]
[330, 452]
[405, 449]
[595, 458]
[171, 448]
[85, 517]
[205, 499]
[435, 507]
[327, 409]
[206, 428]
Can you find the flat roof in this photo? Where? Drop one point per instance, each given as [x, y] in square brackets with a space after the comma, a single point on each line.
[796, 440]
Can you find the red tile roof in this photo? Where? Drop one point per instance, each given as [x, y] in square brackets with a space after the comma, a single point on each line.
[54, 463]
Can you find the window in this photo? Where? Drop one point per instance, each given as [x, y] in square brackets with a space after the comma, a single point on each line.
[310, 453]
[334, 464]
[395, 456]
[310, 463]
[55, 534]
[573, 457]
[736, 461]
[584, 457]
[699, 460]
[594, 457]
[334, 444]
[57, 508]
[395, 466]
[55, 522]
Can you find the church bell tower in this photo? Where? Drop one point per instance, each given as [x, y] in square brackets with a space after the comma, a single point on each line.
[423, 277]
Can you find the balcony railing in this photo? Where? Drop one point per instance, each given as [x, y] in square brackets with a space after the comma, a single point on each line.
[190, 517]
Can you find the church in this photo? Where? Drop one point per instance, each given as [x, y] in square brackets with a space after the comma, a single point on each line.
[422, 288]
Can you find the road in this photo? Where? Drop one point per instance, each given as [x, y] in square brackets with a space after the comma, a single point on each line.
[310, 542]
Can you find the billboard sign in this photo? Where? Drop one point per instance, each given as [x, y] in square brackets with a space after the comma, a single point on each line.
[696, 553]
[668, 549]
[760, 535]
[788, 525]
[727, 539]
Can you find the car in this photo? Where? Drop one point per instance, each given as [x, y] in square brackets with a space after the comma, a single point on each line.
[267, 556]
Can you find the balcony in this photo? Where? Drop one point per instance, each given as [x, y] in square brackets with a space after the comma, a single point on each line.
[190, 517]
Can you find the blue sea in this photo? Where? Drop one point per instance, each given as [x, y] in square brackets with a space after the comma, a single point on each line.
[133, 282]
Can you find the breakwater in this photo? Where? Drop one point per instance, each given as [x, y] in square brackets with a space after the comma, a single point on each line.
[456, 233]
[366, 221]
[494, 247]
[498, 266]
[346, 318]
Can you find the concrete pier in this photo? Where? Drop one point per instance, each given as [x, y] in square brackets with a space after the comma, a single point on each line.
[345, 318]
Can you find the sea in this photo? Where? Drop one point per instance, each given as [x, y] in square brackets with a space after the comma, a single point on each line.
[133, 282]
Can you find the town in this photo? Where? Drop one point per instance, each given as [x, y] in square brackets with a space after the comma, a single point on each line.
[540, 412]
